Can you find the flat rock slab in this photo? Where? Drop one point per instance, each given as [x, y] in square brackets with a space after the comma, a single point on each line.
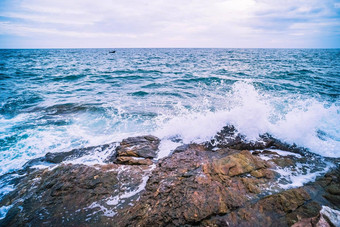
[133, 160]
[140, 146]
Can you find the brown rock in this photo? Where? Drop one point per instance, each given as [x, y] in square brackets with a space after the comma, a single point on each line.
[236, 164]
[334, 189]
[286, 201]
[251, 184]
[308, 211]
[267, 173]
[72, 195]
[133, 161]
[311, 222]
[140, 146]
[196, 186]
[326, 217]
[269, 211]
[284, 162]
[184, 189]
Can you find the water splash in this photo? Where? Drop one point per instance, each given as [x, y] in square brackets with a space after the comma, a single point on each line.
[305, 122]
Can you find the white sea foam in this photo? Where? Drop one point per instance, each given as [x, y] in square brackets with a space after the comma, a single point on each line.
[109, 205]
[36, 143]
[165, 148]
[300, 173]
[284, 153]
[4, 210]
[293, 120]
[112, 201]
[96, 156]
[106, 211]
[297, 177]
[331, 214]
[7, 123]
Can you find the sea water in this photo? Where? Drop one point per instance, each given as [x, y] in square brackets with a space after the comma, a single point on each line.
[54, 100]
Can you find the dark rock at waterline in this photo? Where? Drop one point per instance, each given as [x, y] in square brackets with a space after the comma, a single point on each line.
[33, 162]
[229, 137]
[59, 157]
[62, 156]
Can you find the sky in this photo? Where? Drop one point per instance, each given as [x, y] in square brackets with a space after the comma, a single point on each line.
[169, 23]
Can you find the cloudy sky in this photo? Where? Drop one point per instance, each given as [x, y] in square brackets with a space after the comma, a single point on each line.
[169, 23]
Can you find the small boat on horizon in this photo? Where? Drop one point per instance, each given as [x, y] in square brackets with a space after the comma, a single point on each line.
[112, 52]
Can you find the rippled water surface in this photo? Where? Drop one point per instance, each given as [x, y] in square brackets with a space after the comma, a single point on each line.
[56, 100]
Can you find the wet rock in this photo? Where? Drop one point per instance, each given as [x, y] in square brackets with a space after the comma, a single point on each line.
[140, 146]
[33, 162]
[202, 186]
[269, 211]
[187, 188]
[59, 157]
[133, 160]
[198, 185]
[229, 137]
[298, 207]
[327, 217]
[73, 195]
[236, 164]
[138, 150]
[333, 189]
[267, 173]
[330, 215]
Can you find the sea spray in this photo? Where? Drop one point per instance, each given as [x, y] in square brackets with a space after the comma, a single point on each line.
[306, 123]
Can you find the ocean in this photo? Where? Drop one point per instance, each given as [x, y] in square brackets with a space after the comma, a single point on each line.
[54, 100]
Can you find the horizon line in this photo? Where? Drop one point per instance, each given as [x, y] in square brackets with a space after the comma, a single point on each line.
[42, 48]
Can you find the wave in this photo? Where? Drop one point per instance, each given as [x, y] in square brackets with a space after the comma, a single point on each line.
[69, 77]
[139, 93]
[293, 120]
[17, 103]
[205, 80]
[153, 85]
[139, 71]
[67, 108]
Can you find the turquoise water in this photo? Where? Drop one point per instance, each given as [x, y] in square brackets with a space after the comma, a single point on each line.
[55, 100]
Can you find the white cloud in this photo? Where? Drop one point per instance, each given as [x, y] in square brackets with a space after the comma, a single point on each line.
[173, 23]
[53, 20]
[24, 30]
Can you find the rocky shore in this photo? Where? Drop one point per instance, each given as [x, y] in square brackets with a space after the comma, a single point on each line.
[222, 182]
